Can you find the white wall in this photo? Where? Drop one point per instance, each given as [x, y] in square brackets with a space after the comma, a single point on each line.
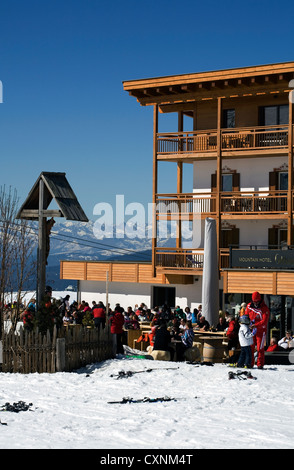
[254, 173]
[254, 176]
[129, 293]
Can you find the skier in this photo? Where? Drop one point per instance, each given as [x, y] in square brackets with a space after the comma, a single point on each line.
[258, 313]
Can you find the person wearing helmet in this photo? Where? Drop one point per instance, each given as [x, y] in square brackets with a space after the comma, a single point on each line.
[258, 313]
[246, 340]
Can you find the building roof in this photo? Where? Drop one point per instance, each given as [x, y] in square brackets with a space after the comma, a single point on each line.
[202, 85]
[56, 187]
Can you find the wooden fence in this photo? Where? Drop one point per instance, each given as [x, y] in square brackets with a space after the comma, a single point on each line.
[66, 349]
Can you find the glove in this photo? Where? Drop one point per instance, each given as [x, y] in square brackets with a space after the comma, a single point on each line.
[254, 331]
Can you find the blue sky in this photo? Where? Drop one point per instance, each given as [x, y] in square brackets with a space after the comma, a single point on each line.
[62, 64]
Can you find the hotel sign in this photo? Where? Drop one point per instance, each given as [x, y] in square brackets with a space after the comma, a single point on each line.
[268, 259]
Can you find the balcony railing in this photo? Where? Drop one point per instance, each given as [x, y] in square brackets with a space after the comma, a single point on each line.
[185, 203]
[245, 138]
[242, 257]
[176, 259]
[259, 202]
[179, 258]
[236, 202]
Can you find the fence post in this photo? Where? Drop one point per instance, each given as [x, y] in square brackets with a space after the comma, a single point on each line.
[60, 354]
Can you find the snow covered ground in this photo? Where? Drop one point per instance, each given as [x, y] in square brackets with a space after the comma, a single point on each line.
[71, 410]
[27, 296]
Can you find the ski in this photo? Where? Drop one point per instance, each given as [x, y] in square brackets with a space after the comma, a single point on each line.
[142, 400]
[125, 374]
[145, 400]
[241, 375]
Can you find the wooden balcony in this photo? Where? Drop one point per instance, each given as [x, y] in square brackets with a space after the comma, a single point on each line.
[233, 205]
[187, 205]
[235, 142]
[185, 260]
[246, 205]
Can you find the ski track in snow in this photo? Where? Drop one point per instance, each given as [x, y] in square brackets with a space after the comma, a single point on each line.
[70, 410]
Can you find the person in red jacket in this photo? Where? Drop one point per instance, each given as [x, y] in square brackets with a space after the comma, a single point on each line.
[258, 313]
[232, 332]
[116, 328]
[273, 346]
[99, 314]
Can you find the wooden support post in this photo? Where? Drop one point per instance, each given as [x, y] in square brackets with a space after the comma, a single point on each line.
[290, 176]
[179, 184]
[219, 173]
[107, 288]
[41, 256]
[60, 354]
[155, 186]
[195, 117]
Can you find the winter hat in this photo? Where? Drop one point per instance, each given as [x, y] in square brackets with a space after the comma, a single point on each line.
[245, 319]
[256, 297]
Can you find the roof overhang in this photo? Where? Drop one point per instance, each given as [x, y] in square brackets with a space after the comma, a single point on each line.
[187, 88]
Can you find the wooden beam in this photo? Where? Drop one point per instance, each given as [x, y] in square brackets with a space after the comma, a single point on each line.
[34, 213]
[155, 190]
[189, 88]
[290, 174]
[179, 182]
[219, 171]
[213, 93]
[41, 254]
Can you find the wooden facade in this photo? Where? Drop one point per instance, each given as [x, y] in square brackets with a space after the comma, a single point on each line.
[267, 282]
[119, 272]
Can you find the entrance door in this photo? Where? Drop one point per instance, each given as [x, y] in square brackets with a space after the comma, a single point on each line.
[164, 296]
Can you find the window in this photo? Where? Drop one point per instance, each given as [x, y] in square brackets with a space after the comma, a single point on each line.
[277, 237]
[283, 181]
[273, 115]
[228, 118]
[228, 237]
[227, 182]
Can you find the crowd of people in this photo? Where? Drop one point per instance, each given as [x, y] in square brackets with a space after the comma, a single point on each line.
[166, 325]
[246, 330]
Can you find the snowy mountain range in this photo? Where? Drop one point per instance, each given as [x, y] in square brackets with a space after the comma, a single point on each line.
[83, 241]
[79, 241]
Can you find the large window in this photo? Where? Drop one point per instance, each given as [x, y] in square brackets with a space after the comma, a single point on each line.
[273, 115]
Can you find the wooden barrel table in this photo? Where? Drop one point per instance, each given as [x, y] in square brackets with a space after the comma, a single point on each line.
[213, 349]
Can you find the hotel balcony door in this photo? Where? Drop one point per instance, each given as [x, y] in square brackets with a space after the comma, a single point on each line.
[230, 183]
[277, 238]
[278, 181]
[229, 236]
